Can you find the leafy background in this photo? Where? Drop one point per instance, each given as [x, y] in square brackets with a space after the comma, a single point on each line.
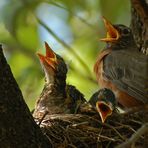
[72, 29]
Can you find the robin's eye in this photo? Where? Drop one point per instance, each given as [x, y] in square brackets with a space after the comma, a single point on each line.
[125, 31]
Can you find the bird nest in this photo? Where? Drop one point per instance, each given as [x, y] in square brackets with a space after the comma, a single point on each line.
[87, 131]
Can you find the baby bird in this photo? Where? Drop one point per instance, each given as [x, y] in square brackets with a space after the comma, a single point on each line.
[57, 97]
[104, 102]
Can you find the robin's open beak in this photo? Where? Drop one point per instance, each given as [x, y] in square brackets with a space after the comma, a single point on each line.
[104, 110]
[112, 33]
[49, 58]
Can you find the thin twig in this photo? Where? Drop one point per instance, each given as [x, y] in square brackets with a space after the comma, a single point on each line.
[44, 115]
[105, 137]
[126, 126]
[135, 121]
[71, 145]
[70, 12]
[135, 136]
[79, 124]
[75, 135]
[107, 125]
[52, 133]
[49, 139]
[111, 127]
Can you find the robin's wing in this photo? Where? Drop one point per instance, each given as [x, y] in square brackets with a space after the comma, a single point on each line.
[74, 98]
[128, 70]
[74, 93]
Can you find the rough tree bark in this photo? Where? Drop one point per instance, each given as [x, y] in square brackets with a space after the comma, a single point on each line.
[139, 23]
[17, 126]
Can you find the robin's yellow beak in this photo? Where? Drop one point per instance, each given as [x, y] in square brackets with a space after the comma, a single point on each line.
[49, 58]
[112, 33]
[104, 110]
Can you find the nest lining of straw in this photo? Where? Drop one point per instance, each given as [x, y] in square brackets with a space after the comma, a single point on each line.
[87, 131]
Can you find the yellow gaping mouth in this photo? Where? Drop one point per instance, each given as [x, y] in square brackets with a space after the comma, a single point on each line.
[112, 33]
[49, 58]
[104, 110]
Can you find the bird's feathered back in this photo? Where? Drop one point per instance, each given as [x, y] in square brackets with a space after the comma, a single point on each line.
[129, 72]
[74, 98]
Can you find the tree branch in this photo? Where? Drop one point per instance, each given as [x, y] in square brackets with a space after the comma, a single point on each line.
[143, 130]
[69, 11]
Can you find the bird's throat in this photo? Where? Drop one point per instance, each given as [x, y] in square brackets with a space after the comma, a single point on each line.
[49, 79]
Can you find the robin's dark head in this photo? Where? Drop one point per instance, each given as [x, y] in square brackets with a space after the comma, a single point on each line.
[118, 35]
[104, 102]
[53, 65]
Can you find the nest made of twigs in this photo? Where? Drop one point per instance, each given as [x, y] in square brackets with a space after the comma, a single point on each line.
[87, 131]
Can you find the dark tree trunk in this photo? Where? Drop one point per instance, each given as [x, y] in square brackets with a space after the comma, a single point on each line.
[17, 126]
[139, 23]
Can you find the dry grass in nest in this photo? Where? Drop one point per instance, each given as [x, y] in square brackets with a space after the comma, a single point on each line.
[87, 131]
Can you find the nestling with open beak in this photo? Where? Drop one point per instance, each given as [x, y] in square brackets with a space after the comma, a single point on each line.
[122, 68]
[56, 97]
[104, 102]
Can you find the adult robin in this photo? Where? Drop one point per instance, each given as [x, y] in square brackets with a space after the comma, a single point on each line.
[122, 68]
[56, 97]
[104, 102]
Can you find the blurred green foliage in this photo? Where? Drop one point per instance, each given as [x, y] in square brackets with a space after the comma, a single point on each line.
[72, 28]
